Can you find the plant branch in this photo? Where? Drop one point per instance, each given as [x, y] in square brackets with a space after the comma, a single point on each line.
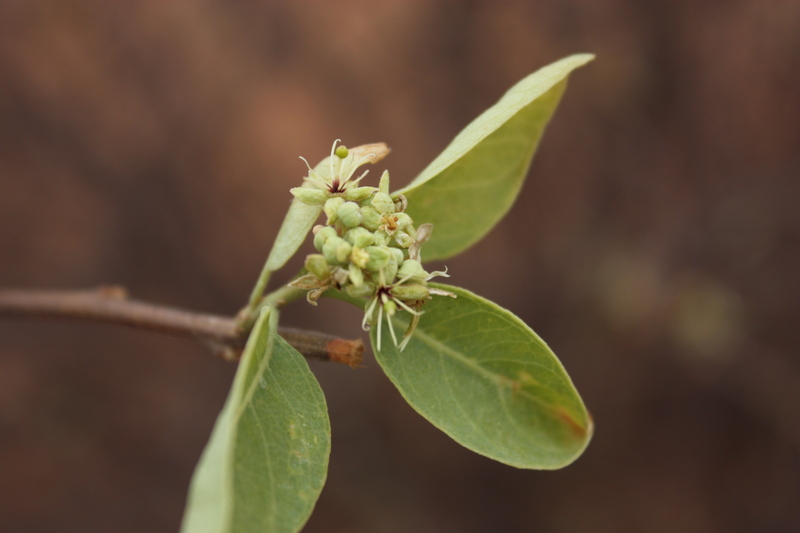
[112, 305]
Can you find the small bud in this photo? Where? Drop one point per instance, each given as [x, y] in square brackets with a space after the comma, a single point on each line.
[359, 194]
[390, 308]
[403, 239]
[349, 214]
[365, 289]
[412, 271]
[341, 151]
[410, 292]
[403, 221]
[356, 275]
[336, 250]
[383, 186]
[398, 255]
[310, 196]
[332, 207]
[321, 236]
[390, 270]
[317, 265]
[359, 237]
[371, 218]
[383, 203]
[378, 257]
[381, 238]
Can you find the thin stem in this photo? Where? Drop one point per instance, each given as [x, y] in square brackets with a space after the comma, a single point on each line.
[260, 287]
[226, 336]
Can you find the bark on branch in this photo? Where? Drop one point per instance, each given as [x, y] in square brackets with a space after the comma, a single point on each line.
[222, 334]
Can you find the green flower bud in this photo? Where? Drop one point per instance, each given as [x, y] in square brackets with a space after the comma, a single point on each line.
[390, 270]
[359, 237]
[317, 265]
[398, 255]
[383, 203]
[371, 218]
[356, 275]
[359, 194]
[349, 214]
[324, 233]
[332, 207]
[403, 239]
[378, 257]
[412, 271]
[336, 250]
[310, 196]
[365, 289]
[343, 252]
[381, 238]
[359, 257]
[383, 186]
[403, 221]
[341, 151]
[410, 292]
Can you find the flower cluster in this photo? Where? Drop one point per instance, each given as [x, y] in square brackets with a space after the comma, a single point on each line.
[369, 247]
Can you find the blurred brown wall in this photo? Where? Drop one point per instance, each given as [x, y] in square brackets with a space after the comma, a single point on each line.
[655, 248]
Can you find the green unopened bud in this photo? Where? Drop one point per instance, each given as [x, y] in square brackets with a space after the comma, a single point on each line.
[359, 257]
[341, 151]
[382, 203]
[310, 196]
[365, 289]
[403, 239]
[403, 221]
[359, 194]
[324, 233]
[390, 270]
[383, 186]
[332, 207]
[381, 238]
[371, 218]
[359, 237]
[412, 271]
[410, 292]
[398, 255]
[349, 214]
[336, 250]
[390, 308]
[317, 265]
[378, 257]
[356, 275]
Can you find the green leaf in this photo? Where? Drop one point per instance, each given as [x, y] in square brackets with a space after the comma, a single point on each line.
[298, 222]
[267, 459]
[467, 189]
[479, 374]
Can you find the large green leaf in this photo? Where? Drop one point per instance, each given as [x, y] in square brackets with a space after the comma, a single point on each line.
[267, 459]
[467, 189]
[479, 374]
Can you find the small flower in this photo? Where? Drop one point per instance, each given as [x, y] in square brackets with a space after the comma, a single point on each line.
[407, 296]
[339, 181]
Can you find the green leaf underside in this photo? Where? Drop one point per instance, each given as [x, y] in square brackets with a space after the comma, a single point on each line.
[298, 222]
[266, 462]
[482, 376]
[467, 189]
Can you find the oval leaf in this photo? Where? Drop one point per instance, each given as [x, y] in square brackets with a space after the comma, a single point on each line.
[479, 374]
[267, 459]
[467, 189]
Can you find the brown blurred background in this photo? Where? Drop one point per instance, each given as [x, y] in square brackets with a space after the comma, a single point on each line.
[655, 247]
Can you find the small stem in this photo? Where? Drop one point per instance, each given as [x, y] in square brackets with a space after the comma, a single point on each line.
[260, 287]
[226, 336]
